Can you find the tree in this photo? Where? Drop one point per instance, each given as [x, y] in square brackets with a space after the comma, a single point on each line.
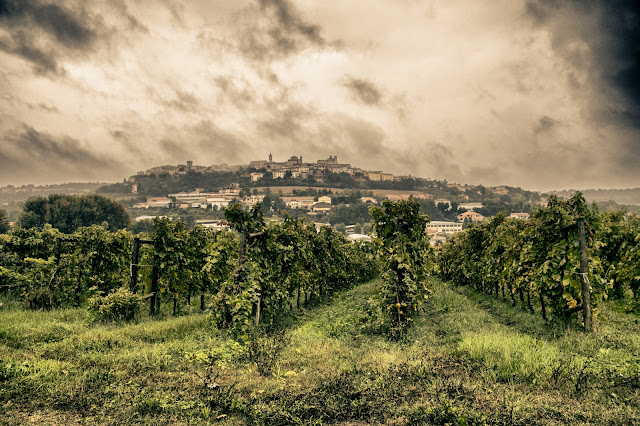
[4, 222]
[70, 212]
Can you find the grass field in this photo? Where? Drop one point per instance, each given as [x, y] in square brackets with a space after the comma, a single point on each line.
[469, 359]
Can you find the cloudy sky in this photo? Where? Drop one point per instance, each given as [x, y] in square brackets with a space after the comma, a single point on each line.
[541, 94]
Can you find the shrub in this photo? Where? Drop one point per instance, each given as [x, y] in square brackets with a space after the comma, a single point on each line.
[121, 305]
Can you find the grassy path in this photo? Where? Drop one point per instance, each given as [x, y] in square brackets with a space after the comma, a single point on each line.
[469, 359]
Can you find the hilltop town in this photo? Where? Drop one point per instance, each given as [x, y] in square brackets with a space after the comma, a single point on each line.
[325, 191]
[294, 167]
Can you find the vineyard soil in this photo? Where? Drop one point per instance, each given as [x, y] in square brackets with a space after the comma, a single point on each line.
[469, 359]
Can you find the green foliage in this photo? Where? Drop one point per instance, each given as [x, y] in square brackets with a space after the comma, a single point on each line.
[48, 272]
[102, 257]
[282, 264]
[404, 251]
[349, 214]
[539, 258]
[118, 306]
[4, 222]
[264, 350]
[67, 213]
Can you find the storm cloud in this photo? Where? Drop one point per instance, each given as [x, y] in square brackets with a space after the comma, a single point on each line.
[363, 90]
[29, 151]
[536, 93]
[39, 32]
[601, 37]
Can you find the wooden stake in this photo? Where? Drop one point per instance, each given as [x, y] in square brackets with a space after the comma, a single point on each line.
[584, 273]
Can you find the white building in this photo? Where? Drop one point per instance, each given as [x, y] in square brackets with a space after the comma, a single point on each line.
[298, 202]
[443, 227]
[470, 206]
[216, 225]
[522, 216]
[218, 202]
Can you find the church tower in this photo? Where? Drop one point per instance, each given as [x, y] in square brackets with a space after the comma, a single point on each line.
[270, 158]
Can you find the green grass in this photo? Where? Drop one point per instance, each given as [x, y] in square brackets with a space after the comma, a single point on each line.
[470, 359]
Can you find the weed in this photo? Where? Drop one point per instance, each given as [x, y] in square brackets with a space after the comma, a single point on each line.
[264, 349]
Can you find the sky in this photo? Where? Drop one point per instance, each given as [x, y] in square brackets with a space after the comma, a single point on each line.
[542, 94]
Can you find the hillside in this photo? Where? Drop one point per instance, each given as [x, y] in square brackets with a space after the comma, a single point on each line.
[620, 196]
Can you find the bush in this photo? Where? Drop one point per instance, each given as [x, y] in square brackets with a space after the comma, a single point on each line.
[121, 305]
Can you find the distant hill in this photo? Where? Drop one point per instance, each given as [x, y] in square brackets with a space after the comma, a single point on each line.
[620, 196]
[12, 197]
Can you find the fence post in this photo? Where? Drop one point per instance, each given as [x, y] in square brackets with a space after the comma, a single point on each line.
[584, 273]
[134, 265]
[154, 291]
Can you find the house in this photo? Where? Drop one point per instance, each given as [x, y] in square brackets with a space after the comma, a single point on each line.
[216, 225]
[321, 207]
[253, 200]
[443, 227]
[470, 206]
[319, 225]
[470, 216]
[523, 216]
[442, 201]
[324, 199]
[375, 176]
[437, 240]
[191, 197]
[279, 174]
[256, 176]
[139, 218]
[218, 202]
[499, 190]
[359, 237]
[298, 202]
[161, 204]
[232, 190]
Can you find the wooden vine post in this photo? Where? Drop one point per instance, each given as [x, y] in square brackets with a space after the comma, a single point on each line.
[584, 273]
[134, 265]
[154, 301]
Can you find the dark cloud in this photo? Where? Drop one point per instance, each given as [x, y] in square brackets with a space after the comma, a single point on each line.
[21, 44]
[290, 22]
[134, 24]
[30, 154]
[175, 150]
[363, 90]
[276, 30]
[127, 141]
[183, 101]
[545, 124]
[219, 145]
[176, 10]
[235, 90]
[41, 32]
[69, 29]
[611, 30]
